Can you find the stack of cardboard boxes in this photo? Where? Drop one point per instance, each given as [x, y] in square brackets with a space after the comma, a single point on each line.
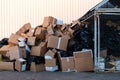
[51, 61]
[45, 41]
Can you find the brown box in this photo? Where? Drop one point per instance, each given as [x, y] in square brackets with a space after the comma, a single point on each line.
[21, 30]
[50, 54]
[13, 39]
[26, 26]
[39, 50]
[31, 41]
[31, 32]
[50, 30]
[83, 61]
[67, 64]
[63, 26]
[58, 42]
[13, 53]
[20, 64]
[6, 66]
[4, 49]
[50, 62]
[37, 67]
[49, 20]
[40, 33]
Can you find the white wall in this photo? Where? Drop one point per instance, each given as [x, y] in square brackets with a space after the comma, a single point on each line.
[15, 13]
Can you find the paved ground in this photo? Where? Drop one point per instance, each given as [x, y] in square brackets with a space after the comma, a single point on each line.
[10, 75]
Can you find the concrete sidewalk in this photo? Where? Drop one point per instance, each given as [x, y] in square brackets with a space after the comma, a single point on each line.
[13, 75]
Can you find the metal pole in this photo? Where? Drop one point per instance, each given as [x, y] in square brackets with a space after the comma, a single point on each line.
[98, 17]
[95, 42]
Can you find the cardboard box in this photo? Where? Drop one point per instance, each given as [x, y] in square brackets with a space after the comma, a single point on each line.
[20, 64]
[58, 42]
[4, 49]
[26, 26]
[58, 33]
[54, 68]
[13, 39]
[39, 50]
[37, 67]
[7, 66]
[83, 61]
[31, 41]
[67, 64]
[63, 26]
[50, 62]
[21, 30]
[50, 54]
[50, 30]
[13, 53]
[31, 32]
[40, 33]
[49, 20]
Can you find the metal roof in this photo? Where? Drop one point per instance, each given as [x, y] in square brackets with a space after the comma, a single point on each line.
[102, 4]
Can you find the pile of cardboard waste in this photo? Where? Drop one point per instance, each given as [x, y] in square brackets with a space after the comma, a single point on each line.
[42, 48]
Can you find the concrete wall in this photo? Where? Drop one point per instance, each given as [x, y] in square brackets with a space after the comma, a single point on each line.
[15, 13]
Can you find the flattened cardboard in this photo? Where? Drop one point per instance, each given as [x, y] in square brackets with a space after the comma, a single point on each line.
[37, 67]
[31, 41]
[20, 64]
[50, 62]
[7, 66]
[13, 39]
